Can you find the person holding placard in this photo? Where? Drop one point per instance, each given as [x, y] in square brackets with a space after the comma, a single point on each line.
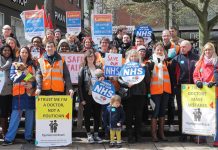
[136, 100]
[75, 45]
[204, 72]
[22, 74]
[37, 49]
[49, 37]
[6, 91]
[87, 44]
[160, 88]
[87, 78]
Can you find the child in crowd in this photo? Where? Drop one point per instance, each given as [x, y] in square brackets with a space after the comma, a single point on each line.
[114, 118]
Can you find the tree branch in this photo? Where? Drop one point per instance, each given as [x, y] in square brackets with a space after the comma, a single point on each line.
[205, 5]
[212, 22]
[193, 7]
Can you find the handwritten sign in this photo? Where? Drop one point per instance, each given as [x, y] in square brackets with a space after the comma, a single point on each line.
[113, 64]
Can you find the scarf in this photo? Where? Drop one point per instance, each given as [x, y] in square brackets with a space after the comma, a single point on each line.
[208, 61]
[158, 61]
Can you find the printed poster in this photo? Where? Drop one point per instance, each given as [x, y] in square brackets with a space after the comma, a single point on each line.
[53, 121]
[199, 110]
[73, 22]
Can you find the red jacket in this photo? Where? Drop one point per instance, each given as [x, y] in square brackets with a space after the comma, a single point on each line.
[203, 72]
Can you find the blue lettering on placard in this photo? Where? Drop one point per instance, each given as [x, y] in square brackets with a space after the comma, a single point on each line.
[103, 91]
[111, 71]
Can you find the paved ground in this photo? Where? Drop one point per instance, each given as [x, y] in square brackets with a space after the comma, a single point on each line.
[80, 144]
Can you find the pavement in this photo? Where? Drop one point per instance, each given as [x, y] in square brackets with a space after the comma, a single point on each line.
[81, 144]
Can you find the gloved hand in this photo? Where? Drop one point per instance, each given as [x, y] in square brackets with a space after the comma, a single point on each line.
[211, 84]
[199, 84]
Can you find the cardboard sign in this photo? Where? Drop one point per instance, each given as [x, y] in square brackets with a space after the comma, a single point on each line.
[73, 62]
[113, 64]
[199, 110]
[73, 22]
[53, 121]
[33, 21]
[101, 27]
[132, 72]
[103, 91]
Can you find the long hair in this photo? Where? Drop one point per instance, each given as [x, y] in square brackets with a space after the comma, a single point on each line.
[89, 53]
[6, 46]
[133, 52]
[29, 58]
[211, 46]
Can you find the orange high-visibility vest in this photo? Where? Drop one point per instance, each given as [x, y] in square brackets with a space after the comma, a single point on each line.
[18, 88]
[52, 76]
[157, 85]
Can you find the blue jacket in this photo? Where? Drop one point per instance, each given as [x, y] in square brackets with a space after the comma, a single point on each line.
[113, 116]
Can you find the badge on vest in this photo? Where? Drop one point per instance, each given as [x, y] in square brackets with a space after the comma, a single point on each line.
[113, 109]
[182, 62]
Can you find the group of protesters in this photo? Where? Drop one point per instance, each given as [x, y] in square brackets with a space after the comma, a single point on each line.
[27, 76]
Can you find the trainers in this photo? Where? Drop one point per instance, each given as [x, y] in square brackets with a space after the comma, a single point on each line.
[6, 143]
[90, 138]
[112, 144]
[119, 145]
[172, 128]
[97, 138]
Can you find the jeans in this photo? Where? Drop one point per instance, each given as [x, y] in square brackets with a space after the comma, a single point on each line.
[15, 121]
[160, 101]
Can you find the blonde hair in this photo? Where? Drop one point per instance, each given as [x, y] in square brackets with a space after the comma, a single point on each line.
[115, 98]
[214, 56]
[133, 52]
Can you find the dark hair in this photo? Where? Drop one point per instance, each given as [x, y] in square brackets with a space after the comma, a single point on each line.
[139, 37]
[174, 27]
[6, 46]
[121, 28]
[158, 44]
[28, 51]
[105, 39]
[36, 37]
[50, 42]
[89, 53]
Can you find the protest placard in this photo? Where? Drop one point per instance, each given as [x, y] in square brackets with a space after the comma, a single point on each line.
[53, 121]
[73, 22]
[2, 80]
[144, 31]
[196, 105]
[113, 64]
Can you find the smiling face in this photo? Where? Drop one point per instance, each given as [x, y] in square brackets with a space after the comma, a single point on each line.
[208, 51]
[37, 42]
[159, 50]
[6, 52]
[24, 54]
[50, 49]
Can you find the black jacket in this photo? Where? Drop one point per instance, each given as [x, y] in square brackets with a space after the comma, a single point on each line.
[141, 88]
[184, 66]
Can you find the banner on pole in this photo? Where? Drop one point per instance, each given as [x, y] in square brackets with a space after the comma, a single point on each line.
[198, 110]
[53, 121]
[33, 21]
[73, 22]
[113, 64]
[73, 62]
[101, 27]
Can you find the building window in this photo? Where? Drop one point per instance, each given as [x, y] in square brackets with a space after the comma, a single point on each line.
[1, 20]
[78, 3]
[18, 30]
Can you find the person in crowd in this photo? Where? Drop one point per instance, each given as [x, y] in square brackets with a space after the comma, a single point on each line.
[63, 46]
[160, 88]
[125, 45]
[204, 73]
[87, 77]
[183, 66]
[118, 39]
[23, 96]
[13, 43]
[49, 37]
[87, 43]
[139, 40]
[75, 45]
[136, 100]
[171, 50]
[6, 92]
[37, 46]
[57, 35]
[52, 63]
[114, 118]
[104, 48]
[174, 35]
[7, 32]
